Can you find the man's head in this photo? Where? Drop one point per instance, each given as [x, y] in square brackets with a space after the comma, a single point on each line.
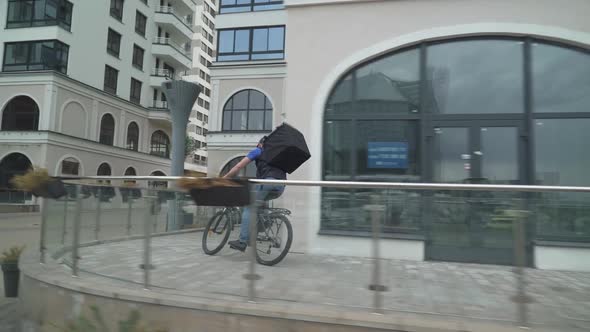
[261, 142]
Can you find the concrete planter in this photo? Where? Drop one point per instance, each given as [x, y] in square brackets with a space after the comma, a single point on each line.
[11, 277]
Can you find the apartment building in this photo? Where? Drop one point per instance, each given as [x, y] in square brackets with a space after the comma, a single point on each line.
[80, 84]
[416, 91]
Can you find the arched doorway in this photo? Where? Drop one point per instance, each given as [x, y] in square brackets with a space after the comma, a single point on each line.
[22, 114]
[11, 165]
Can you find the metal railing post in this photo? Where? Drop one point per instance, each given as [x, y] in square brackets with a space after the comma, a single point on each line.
[44, 215]
[98, 213]
[251, 276]
[147, 242]
[76, 237]
[376, 286]
[129, 209]
[521, 299]
[63, 232]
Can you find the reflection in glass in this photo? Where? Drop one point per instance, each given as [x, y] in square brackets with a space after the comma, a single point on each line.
[451, 146]
[247, 110]
[561, 79]
[337, 149]
[499, 159]
[480, 76]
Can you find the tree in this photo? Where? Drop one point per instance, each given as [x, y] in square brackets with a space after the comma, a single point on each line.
[190, 146]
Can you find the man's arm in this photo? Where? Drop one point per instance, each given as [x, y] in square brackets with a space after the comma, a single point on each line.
[243, 163]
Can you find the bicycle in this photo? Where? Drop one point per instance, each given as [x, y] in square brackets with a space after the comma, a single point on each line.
[272, 222]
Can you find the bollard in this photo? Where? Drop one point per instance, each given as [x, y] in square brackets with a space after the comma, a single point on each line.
[76, 237]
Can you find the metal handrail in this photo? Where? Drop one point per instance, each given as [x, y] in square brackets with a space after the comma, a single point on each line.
[356, 184]
[169, 42]
[165, 73]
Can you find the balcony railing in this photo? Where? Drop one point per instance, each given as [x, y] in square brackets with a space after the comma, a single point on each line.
[165, 73]
[160, 104]
[174, 45]
[170, 10]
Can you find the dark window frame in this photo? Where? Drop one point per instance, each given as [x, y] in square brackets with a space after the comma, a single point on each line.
[160, 144]
[109, 73]
[250, 53]
[59, 49]
[132, 142]
[138, 59]
[232, 110]
[140, 23]
[116, 9]
[113, 46]
[63, 15]
[135, 91]
[107, 134]
[252, 6]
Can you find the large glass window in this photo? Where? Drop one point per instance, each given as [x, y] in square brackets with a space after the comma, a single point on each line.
[137, 60]
[475, 76]
[21, 113]
[160, 144]
[107, 130]
[140, 23]
[561, 79]
[34, 13]
[36, 55]
[110, 79]
[247, 110]
[251, 44]
[240, 6]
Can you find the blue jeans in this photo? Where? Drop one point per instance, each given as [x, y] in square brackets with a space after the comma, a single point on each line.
[265, 192]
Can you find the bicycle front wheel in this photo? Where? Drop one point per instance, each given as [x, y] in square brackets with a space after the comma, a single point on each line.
[274, 240]
[217, 232]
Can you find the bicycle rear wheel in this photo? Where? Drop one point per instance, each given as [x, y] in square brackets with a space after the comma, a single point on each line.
[217, 232]
[274, 240]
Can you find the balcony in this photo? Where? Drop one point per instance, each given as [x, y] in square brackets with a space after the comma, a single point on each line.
[159, 111]
[189, 5]
[172, 20]
[160, 76]
[171, 52]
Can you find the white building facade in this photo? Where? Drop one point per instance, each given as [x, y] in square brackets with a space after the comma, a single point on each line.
[477, 92]
[80, 84]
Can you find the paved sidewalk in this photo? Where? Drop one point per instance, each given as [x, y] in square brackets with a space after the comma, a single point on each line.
[9, 315]
[561, 300]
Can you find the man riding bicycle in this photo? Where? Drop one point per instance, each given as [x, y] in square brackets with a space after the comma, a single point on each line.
[264, 192]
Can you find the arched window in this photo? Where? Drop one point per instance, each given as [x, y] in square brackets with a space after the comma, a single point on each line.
[133, 136]
[248, 172]
[130, 171]
[160, 144]
[247, 110]
[21, 113]
[70, 166]
[158, 184]
[11, 165]
[103, 170]
[107, 130]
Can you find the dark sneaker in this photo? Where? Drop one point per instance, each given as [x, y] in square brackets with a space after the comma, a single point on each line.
[238, 245]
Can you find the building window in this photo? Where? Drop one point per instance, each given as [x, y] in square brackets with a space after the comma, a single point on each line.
[247, 110]
[240, 6]
[36, 55]
[117, 9]
[160, 144]
[206, 105]
[200, 101]
[205, 131]
[70, 166]
[198, 130]
[114, 43]
[107, 130]
[140, 23]
[133, 136]
[21, 113]
[251, 44]
[205, 119]
[138, 57]
[199, 116]
[135, 95]
[207, 92]
[35, 13]
[110, 79]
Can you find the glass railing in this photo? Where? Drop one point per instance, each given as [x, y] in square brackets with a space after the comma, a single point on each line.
[479, 252]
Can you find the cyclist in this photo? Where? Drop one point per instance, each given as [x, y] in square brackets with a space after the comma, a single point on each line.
[263, 192]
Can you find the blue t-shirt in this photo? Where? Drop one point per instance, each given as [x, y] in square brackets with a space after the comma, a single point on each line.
[254, 154]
